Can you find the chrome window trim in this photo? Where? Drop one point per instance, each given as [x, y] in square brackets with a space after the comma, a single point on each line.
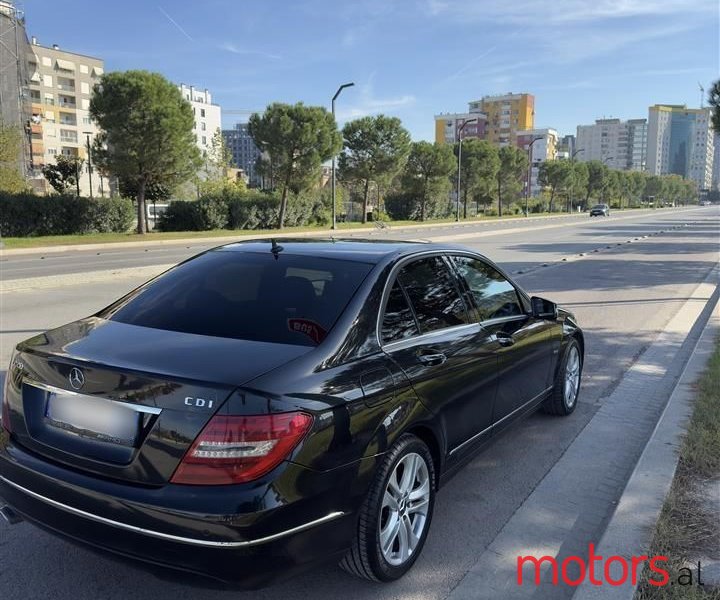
[153, 410]
[166, 536]
[519, 408]
[498, 320]
[400, 344]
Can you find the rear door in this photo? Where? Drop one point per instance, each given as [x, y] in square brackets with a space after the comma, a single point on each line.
[428, 330]
[525, 345]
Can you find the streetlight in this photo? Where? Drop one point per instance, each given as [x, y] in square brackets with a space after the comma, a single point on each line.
[578, 151]
[529, 177]
[87, 139]
[334, 215]
[457, 208]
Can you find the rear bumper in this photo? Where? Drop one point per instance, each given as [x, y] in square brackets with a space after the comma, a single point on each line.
[213, 535]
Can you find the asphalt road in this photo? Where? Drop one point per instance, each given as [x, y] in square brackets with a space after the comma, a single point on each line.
[623, 295]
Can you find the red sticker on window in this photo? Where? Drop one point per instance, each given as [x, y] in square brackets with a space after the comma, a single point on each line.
[310, 328]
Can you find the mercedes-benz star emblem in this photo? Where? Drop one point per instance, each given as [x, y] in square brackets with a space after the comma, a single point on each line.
[76, 378]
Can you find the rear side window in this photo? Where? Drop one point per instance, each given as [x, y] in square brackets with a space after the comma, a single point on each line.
[433, 294]
[290, 299]
[494, 296]
[398, 321]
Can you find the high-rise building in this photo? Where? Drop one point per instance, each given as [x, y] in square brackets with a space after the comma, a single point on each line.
[60, 87]
[716, 163]
[244, 151]
[447, 127]
[566, 147]
[208, 116]
[543, 148]
[681, 141]
[14, 102]
[619, 144]
[506, 115]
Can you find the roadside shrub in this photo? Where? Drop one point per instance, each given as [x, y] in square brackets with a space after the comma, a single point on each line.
[24, 215]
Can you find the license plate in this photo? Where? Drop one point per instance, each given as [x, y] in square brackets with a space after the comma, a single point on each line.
[93, 417]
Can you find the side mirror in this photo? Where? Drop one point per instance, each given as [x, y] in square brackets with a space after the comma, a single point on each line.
[543, 309]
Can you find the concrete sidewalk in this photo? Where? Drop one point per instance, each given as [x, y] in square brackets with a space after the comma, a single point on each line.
[572, 505]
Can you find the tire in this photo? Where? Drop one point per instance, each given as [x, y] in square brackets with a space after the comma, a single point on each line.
[366, 558]
[563, 399]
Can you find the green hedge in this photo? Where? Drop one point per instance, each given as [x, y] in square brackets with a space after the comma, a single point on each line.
[25, 215]
[250, 211]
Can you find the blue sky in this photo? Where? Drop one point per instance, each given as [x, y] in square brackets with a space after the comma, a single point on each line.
[583, 59]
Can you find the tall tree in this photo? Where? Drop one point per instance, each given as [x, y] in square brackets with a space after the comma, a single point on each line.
[597, 174]
[376, 148]
[556, 176]
[427, 172]
[11, 178]
[714, 102]
[654, 188]
[480, 164]
[579, 181]
[64, 174]
[636, 187]
[147, 132]
[296, 139]
[511, 174]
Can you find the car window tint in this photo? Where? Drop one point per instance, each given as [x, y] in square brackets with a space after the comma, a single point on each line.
[433, 294]
[494, 296]
[286, 299]
[398, 321]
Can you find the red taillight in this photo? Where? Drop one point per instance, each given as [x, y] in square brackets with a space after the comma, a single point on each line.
[233, 449]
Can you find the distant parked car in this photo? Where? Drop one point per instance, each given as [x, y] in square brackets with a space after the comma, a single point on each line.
[600, 210]
[705, 203]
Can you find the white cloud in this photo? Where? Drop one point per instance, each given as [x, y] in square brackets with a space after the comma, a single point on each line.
[351, 107]
[230, 47]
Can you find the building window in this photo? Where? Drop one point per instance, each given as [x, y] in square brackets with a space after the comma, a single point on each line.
[46, 61]
[84, 69]
[202, 113]
[202, 125]
[52, 151]
[204, 141]
[87, 121]
[47, 80]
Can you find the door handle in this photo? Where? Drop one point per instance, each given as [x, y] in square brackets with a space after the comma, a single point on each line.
[432, 359]
[504, 339]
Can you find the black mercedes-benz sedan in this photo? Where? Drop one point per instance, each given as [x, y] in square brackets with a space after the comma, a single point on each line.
[270, 405]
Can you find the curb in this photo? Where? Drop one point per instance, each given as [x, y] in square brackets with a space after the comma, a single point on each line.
[632, 525]
[10, 252]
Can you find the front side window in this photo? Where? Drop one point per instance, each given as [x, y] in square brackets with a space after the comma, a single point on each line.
[291, 299]
[433, 294]
[494, 296]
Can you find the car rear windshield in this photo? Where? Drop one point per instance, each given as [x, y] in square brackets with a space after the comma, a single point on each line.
[287, 299]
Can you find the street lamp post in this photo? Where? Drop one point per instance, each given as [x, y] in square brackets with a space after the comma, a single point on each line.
[334, 211]
[529, 176]
[460, 139]
[87, 139]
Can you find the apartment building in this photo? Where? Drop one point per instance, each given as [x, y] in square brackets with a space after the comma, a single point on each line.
[544, 147]
[208, 116]
[244, 151]
[506, 115]
[60, 87]
[619, 144]
[681, 141]
[448, 127]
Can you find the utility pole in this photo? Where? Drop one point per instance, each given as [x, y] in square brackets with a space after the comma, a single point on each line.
[89, 161]
[529, 176]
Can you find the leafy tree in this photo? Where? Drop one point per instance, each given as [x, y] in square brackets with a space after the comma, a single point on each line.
[147, 132]
[376, 148]
[154, 192]
[557, 176]
[597, 176]
[635, 186]
[579, 182]
[64, 174]
[11, 179]
[511, 174]
[654, 187]
[480, 164]
[714, 102]
[296, 139]
[426, 175]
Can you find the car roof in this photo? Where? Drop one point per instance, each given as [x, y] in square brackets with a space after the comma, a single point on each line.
[360, 250]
